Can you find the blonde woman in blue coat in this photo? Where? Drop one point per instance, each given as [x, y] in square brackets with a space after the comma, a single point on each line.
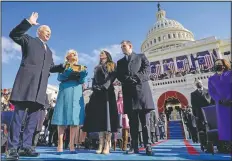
[69, 109]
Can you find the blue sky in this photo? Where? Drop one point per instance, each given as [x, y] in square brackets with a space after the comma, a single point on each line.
[89, 27]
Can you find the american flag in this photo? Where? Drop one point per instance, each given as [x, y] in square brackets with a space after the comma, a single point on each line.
[155, 71]
[152, 68]
[205, 61]
[183, 65]
[170, 65]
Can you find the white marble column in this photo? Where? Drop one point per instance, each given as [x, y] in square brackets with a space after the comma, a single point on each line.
[219, 55]
[161, 66]
[175, 64]
[190, 61]
[211, 55]
[196, 63]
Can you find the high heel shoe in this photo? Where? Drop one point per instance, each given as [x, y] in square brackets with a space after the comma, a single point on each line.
[59, 149]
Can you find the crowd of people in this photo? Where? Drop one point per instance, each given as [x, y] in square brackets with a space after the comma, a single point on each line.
[181, 72]
[69, 114]
[5, 103]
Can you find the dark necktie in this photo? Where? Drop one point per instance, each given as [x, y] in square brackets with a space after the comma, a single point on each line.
[129, 58]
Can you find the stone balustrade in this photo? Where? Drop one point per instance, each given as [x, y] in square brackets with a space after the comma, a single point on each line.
[189, 78]
[180, 46]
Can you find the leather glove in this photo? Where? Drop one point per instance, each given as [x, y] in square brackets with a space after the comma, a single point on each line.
[103, 88]
[99, 88]
[74, 76]
[131, 80]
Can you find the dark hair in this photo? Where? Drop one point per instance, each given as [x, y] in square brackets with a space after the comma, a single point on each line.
[126, 41]
[109, 62]
[225, 63]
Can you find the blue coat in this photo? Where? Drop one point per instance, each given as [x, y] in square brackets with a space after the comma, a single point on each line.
[69, 109]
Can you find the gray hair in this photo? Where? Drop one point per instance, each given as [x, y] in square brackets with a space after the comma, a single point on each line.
[40, 28]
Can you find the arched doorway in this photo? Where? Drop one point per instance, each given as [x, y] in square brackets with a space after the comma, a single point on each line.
[170, 103]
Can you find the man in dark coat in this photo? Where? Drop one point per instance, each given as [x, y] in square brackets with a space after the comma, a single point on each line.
[133, 71]
[29, 89]
[200, 98]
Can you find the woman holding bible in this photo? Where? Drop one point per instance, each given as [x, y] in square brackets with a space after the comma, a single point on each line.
[69, 109]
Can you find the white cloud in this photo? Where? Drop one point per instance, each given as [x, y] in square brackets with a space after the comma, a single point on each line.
[93, 58]
[10, 50]
[55, 57]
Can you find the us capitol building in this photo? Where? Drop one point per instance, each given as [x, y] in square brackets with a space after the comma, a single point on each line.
[171, 50]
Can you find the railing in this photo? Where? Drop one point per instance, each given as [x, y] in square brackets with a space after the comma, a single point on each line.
[190, 43]
[181, 80]
[184, 127]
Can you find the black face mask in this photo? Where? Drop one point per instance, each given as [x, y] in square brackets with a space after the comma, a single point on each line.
[218, 68]
[199, 85]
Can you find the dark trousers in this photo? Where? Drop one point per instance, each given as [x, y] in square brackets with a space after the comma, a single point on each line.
[194, 134]
[140, 137]
[53, 135]
[31, 119]
[35, 139]
[144, 117]
[154, 137]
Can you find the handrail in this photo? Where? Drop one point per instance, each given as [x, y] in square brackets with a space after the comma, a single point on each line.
[184, 127]
[166, 127]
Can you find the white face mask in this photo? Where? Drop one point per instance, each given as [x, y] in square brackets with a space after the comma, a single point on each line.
[53, 104]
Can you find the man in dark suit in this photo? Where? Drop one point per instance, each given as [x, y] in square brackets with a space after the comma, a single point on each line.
[29, 89]
[200, 98]
[133, 72]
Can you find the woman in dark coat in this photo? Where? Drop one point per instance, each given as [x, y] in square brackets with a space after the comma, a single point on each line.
[102, 114]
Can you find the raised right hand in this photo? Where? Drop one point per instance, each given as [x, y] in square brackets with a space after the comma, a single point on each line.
[33, 18]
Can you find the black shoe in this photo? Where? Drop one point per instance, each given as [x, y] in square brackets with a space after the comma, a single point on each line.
[12, 154]
[28, 152]
[149, 151]
[132, 151]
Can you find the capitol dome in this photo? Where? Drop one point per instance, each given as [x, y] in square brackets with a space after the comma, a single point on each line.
[165, 33]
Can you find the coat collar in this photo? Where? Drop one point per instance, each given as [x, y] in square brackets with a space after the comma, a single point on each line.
[42, 44]
[133, 54]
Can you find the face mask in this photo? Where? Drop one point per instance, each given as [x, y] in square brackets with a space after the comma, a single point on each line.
[53, 104]
[199, 85]
[219, 68]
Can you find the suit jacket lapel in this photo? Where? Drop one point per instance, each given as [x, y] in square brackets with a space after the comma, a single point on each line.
[198, 92]
[131, 60]
[41, 43]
